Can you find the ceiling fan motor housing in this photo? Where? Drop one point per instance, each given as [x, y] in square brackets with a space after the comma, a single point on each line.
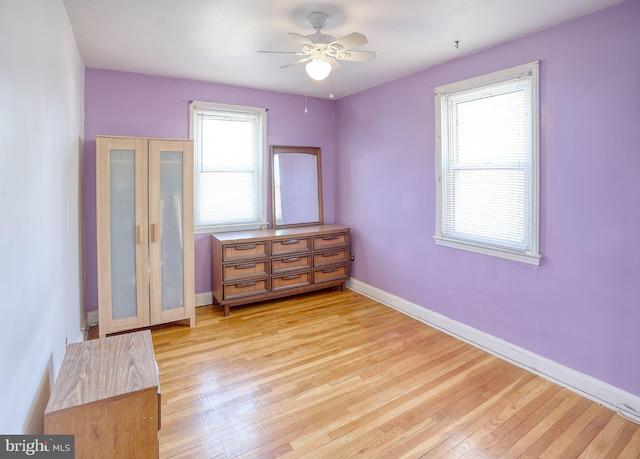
[318, 20]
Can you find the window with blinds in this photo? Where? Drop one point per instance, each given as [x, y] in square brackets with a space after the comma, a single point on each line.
[229, 166]
[487, 164]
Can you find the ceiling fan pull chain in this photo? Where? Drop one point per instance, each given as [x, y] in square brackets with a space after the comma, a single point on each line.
[331, 96]
[305, 92]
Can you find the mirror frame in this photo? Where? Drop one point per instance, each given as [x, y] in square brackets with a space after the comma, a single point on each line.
[285, 149]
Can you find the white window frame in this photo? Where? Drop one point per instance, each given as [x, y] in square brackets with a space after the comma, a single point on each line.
[531, 254]
[261, 113]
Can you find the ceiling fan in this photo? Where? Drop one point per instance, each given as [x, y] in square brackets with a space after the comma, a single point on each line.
[321, 52]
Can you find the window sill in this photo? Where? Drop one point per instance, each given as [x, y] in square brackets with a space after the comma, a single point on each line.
[528, 258]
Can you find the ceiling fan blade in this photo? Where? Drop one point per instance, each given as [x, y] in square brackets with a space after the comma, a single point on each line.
[302, 60]
[353, 40]
[335, 65]
[301, 39]
[356, 56]
[293, 53]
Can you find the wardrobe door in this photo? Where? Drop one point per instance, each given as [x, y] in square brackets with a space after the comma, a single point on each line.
[122, 226]
[171, 249]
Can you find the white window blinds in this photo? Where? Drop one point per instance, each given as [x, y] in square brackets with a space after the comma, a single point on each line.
[229, 162]
[487, 173]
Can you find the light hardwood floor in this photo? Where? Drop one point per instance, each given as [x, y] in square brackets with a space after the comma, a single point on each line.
[337, 375]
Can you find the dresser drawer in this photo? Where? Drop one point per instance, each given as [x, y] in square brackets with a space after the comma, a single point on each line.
[245, 289]
[330, 257]
[294, 262]
[245, 250]
[293, 280]
[330, 273]
[294, 244]
[327, 241]
[245, 270]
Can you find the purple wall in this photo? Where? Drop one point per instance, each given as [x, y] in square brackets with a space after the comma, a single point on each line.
[580, 308]
[128, 104]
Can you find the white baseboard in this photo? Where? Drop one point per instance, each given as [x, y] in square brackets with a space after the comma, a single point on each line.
[92, 317]
[204, 299]
[625, 403]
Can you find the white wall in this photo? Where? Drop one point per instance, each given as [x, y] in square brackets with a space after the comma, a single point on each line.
[41, 123]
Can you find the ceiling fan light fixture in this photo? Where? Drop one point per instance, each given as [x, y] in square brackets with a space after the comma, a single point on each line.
[318, 69]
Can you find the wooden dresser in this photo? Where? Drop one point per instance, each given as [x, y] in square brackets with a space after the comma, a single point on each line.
[251, 266]
[107, 395]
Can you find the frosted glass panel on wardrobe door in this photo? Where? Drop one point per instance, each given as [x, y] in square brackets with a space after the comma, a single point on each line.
[123, 240]
[172, 241]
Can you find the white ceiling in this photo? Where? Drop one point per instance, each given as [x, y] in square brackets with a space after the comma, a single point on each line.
[218, 40]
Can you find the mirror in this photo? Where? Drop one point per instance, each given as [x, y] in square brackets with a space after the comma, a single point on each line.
[296, 186]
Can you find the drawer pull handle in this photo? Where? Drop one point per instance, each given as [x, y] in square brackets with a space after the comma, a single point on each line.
[246, 284]
[246, 266]
[291, 277]
[246, 246]
[330, 237]
[290, 241]
[329, 270]
[291, 259]
[330, 254]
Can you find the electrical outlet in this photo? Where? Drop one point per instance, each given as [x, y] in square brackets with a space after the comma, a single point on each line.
[353, 256]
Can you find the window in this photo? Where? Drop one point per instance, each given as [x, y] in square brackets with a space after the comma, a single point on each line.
[229, 166]
[487, 164]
